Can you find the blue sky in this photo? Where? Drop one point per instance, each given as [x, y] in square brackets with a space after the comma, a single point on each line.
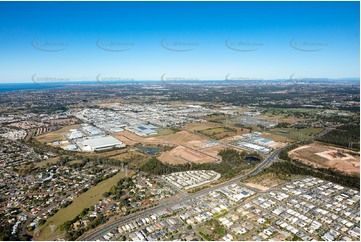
[195, 40]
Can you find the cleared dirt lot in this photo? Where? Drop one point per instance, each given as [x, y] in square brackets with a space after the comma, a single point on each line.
[183, 155]
[127, 137]
[214, 150]
[180, 138]
[325, 156]
[266, 181]
[257, 186]
[276, 138]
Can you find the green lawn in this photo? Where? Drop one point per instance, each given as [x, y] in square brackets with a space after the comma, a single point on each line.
[161, 132]
[165, 131]
[85, 200]
[218, 132]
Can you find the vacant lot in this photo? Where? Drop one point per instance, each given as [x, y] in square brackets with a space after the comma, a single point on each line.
[319, 155]
[214, 150]
[85, 200]
[265, 181]
[182, 155]
[277, 138]
[164, 132]
[187, 137]
[219, 132]
[180, 138]
[201, 126]
[108, 153]
[136, 158]
[56, 135]
[290, 115]
[296, 134]
[127, 137]
[131, 154]
[211, 230]
[280, 118]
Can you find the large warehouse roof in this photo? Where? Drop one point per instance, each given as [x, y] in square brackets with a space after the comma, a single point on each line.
[100, 142]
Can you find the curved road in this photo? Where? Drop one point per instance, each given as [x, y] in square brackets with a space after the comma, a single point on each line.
[180, 198]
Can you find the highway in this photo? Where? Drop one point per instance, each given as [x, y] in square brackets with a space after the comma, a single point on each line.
[180, 198]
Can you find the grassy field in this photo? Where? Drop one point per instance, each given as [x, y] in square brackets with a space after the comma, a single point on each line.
[296, 134]
[137, 159]
[85, 200]
[215, 130]
[163, 132]
[45, 163]
[56, 135]
[219, 132]
[129, 155]
[279, 118]
[201, 126]
[74, 162]
[288, 115]
[108, 153]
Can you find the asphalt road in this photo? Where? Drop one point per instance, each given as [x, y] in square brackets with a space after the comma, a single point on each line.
[180, 198]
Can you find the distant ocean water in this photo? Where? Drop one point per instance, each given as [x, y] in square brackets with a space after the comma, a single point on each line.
[8, 87]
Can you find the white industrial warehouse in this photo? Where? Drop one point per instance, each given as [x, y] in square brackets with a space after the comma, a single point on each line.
[100, 143]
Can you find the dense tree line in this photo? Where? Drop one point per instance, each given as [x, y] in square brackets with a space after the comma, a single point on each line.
[5, 234]
[283, 125]
[156, 167]
[232, 156]
[298, 168]
[119, 189]
[343, 136]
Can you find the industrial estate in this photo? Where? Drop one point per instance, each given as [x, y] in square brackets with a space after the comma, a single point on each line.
[169, 170]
